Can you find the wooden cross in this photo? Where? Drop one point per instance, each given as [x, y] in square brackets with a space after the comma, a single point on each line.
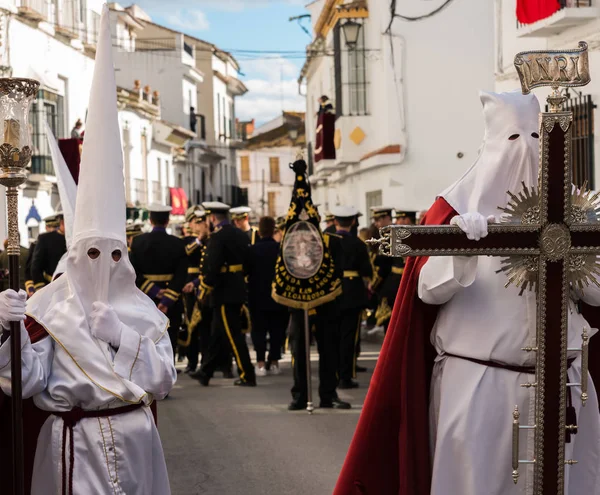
[557, 239]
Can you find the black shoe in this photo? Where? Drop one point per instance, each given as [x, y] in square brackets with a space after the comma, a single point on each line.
[228, 374]
[202, 377]
[189, 370]
[360, 369]
[244, 383]
[178, 371]
[334, 404]
[347, 384]
[297, 405]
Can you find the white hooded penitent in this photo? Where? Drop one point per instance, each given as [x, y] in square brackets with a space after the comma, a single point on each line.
[64, 307]
[508, 156]
[67, 191]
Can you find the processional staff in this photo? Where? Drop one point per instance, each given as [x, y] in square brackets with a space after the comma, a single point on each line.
[550, 237]
[16, 96]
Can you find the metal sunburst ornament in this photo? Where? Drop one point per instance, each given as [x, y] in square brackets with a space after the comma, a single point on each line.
[523, 209]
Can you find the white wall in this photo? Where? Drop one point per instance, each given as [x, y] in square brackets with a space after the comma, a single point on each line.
[259, 164]
[426, 101]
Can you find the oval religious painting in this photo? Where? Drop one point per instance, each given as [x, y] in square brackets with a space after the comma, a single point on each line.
[302, 250]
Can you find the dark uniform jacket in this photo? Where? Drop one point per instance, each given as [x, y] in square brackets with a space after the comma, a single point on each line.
[260, 268]
[193, 251]
[390, 286]
[356, 265]
[222, 271]
[49, 249]
[160, 262]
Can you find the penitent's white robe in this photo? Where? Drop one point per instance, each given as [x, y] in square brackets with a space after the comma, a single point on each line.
[471, 404]
[120, 454]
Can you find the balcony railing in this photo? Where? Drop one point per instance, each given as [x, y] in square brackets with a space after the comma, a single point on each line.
[38, 10]
[70, 19]
[570, 13]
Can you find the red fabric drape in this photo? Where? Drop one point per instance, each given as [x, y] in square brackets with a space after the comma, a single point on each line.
[389, 454]
[324, 145]
[179, 201]
[530, 11]
[71, 152]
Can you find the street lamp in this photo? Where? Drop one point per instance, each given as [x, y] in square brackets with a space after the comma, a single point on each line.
[16, 96]
[351, 31]
[293, 133]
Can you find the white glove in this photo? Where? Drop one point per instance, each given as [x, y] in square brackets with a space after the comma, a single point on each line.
[12, 307]
[475, 225]
[105, 324]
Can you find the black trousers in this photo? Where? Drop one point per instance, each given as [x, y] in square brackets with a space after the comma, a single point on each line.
[200, 338]
[349, 335]
[226, 336]
[326, 333]
[273, 323]
[175, 315]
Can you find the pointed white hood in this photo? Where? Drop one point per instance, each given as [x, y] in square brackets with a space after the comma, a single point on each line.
[103, 184]
[67, 189]
[507, 157]
[63, 307]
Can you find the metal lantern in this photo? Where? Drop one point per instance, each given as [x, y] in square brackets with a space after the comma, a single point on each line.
[16, 96]
[351, 31]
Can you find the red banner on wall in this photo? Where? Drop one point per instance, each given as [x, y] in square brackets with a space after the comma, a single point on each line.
[179, 201]
[530, 11]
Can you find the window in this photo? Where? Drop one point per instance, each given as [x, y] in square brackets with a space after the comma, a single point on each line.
[272, 203]
[245, 168]
[202, 126]
[139, 188]
[156, 190]
[274, 170]
[224, 120]
[48, 107]
[350, 75]
[357, 77]
[374, 198]
[218, 117]
[179, 180]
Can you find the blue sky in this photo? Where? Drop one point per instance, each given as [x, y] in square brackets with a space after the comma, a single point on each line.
[247, 25]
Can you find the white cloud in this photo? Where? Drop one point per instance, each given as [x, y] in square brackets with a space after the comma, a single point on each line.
[272, 88]
[188, 20]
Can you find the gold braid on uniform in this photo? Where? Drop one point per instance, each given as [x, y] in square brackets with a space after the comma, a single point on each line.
[247, 328]
[383, 313]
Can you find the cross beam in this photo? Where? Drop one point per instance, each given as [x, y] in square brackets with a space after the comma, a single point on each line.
[555, 234]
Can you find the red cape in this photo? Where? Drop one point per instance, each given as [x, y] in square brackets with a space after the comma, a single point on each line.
[389, 453]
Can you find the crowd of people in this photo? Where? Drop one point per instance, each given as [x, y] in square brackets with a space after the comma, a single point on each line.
[214, 283]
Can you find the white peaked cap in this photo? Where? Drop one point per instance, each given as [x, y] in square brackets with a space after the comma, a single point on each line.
[344, 211]
[67, 189]
[101, 189]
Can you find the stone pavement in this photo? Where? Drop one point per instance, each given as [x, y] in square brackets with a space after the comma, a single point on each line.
[226, 440]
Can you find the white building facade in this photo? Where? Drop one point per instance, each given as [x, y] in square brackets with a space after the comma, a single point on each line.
[263, 164]
[52, 41]
[574, 21]
[408, 117]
